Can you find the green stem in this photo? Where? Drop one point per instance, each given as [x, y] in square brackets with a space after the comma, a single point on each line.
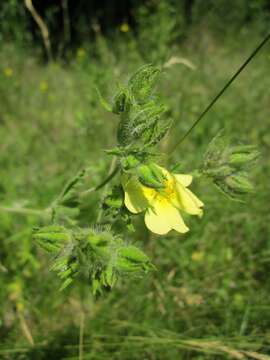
[81, 335]
[103, 183]
[111, 172]
[23, 211]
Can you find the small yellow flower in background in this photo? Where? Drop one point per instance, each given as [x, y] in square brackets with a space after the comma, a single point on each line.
[43, 86]
[124, 27]
[197, 256]
[8, 72]
[164, 205]
[81, 53]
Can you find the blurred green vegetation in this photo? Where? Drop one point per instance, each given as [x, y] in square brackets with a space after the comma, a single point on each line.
[209, 298]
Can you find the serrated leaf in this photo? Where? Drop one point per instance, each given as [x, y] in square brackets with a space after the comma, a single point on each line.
[66, 283]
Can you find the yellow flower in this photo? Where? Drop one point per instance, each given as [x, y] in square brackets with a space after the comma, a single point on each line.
[197, 256]
[8, 72]
[163, 206]
[124, 27]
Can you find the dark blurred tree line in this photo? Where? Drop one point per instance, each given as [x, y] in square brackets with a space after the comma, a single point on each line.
[72, 22]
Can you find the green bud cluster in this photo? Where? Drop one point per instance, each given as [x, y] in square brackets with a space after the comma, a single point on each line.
[141, 125]
[228, 166]
[143, 81]
[121, 101]
[99, 257]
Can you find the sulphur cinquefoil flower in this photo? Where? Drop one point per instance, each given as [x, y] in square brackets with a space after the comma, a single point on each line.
[162, 206]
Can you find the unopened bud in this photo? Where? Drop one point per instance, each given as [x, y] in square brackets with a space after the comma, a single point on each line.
[151, 176]
[132, 259]
[97, 240]
[239, 184]
[242, 158]
[129, 162]
[142, 82]
[121, 102]
[243, 149]
[219, 172]
[51, 238]
[108, 277]
[100, 244]
[127, 266]
[133, 254]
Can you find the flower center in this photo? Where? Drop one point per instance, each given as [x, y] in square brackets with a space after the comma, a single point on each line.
[162, 195]
[168, 192]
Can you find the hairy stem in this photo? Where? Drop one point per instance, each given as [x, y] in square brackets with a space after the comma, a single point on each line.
[23, 211]
[113, 166]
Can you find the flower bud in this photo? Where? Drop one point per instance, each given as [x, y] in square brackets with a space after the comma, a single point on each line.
[142, 82]
[121, 102]
[132, 259]
[227, 166]
[239, 184]
[150, 176]
[219, 172]
[126, 266]
[129, 162]
[98, 240]
[100, 244]
[51, 238]
[240, 158]
[108, 277]
[243, 149]
[132, 253]
[157, 172]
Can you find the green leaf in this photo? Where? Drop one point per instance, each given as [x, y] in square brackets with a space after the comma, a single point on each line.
[141, 84]
[133, 254]
[106, 106]
[66, 283]
[52, 238]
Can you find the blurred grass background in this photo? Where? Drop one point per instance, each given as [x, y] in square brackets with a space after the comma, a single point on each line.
[209, 298]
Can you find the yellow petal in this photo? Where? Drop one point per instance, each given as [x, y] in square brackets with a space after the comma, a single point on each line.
[195, 199]
[163, 217]
[135, 200]
[183, 179]
[188, 201]
[148, 193]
